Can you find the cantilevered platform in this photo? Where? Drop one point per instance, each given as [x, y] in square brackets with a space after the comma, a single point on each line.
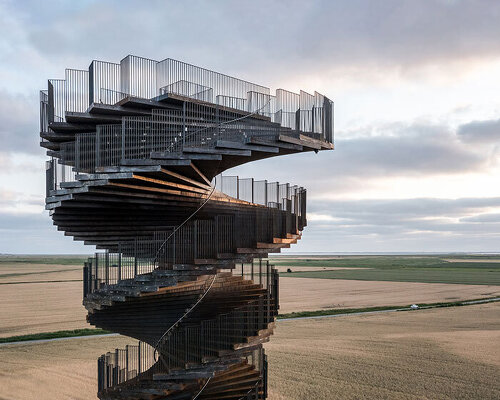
[136, 151]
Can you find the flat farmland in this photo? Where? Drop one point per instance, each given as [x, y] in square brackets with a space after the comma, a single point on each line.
[41, 307]
[448, 353]
[65, 369]
[44, 293]
[309, 294]
[37, 295]
[469, 270]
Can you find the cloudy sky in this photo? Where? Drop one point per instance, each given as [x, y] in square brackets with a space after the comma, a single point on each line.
[416, 86]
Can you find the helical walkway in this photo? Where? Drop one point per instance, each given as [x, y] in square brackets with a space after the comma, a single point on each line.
[136, 151]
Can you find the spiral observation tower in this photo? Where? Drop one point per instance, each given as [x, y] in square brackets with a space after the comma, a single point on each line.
[136, 152]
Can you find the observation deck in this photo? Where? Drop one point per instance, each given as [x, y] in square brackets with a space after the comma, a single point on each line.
[136, 151]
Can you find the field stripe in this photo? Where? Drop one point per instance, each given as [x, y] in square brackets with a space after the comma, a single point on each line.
[25, 282]
[426, 307]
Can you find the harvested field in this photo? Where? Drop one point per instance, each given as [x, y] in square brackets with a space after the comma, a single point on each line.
[57, 370]
[41, 307]
[308, 294]
[40, 297]
[449, 353]
[440, 354]
[20, 273]
[45, 307]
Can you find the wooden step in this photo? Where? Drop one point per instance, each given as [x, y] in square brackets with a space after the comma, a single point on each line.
[272, 245]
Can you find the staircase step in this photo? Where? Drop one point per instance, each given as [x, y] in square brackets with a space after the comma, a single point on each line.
[243, 153]
[256, 251]
[244, 146]
[272, 245]
[193, 156]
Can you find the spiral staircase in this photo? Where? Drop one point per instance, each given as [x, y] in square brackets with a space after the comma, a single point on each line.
[136, 151]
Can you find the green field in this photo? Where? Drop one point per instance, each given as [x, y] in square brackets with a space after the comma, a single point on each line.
[477, 269]
[43, 259]
[428, 269]
[55, 335]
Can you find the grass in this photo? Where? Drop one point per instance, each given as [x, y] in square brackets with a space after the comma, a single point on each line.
[337, 311]
[36, 273]
[392, 262]
[342, 311]
[54, 335]
[427, 269]
[43, 259]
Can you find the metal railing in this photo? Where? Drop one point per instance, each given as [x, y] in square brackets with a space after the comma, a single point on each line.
[188, 89]
[204, 108]
[44, 111]
[109, 83]
[58, 172]
[136, 362]
[76, 91]
[199, 342]
[238, 103]
[170, 71]
[103, 75]
[111, 97]
[270, 194]
[172, 131]
[195, 344]
[122, 365]
[198, 239]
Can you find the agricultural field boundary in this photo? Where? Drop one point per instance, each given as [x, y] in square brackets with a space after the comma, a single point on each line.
[85, 333]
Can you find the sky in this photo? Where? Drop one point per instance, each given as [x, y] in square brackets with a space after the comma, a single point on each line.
[416, 86]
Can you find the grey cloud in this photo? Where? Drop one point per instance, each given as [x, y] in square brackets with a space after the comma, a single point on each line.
[35, 234]
[483, 218]
[364, 225]
[233, 35]
[409, 150]
[404, 225]
[19, 123]
[394, 150]
[15, 222]
[10, 198]
[262, 42]
[403, 209]
[480, 131]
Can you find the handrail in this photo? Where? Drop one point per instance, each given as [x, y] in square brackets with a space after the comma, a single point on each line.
[230, 121]
[213, 187]
[183, 316]
[253, 387]
[243, 308]
[202, 389]
[206, 286]
[176, 229]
